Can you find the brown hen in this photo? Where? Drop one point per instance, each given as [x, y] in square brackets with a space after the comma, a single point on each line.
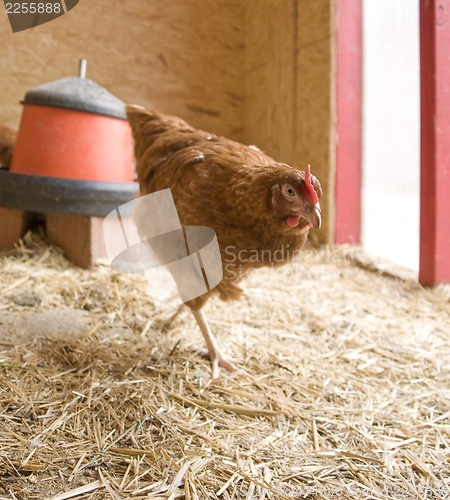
[261, 210]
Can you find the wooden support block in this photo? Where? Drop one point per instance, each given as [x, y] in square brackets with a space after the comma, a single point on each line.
[13, 222]
[82, 238]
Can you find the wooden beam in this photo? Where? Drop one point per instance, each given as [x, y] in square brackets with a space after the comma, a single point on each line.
[269, 77]
[315, 103]
[289, 89]
[349, 122]
[81, 238]
[435, 141]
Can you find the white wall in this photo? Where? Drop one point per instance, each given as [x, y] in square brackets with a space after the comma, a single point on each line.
[391, 130]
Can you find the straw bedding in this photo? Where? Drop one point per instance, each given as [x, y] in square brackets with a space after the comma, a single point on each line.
[99, 399]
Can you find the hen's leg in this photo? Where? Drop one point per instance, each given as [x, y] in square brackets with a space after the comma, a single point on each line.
[215, 354]
[169, 322]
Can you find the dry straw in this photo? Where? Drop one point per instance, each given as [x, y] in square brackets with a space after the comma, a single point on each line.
[100, 400]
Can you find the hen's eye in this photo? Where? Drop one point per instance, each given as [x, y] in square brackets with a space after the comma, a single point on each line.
[290, 191]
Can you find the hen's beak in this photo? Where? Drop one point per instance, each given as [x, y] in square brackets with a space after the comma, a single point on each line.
[312, 215]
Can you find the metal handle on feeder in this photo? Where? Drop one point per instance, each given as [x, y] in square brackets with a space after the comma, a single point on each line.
[82, 66]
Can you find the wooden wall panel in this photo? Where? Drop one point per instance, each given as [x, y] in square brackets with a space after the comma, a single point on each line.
[290, 88]
[315, 109]
[269, 77]
[181, 56]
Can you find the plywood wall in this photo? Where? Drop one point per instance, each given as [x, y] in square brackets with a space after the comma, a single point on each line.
[270, 78]
[180, 56]
[290, 89]
[257, 71]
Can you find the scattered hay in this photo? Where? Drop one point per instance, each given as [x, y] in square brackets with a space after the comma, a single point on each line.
[98, 402]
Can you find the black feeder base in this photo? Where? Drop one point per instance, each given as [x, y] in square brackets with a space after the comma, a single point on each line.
[73, 211]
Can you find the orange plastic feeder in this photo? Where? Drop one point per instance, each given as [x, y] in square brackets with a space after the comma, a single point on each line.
[73, 128]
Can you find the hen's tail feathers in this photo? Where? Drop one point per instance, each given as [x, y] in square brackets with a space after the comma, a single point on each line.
[156, 135]
[149, 122]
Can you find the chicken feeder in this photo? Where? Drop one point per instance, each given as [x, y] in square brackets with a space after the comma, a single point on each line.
[73, 157]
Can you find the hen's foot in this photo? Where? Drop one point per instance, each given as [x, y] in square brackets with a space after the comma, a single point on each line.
[216, 356]
[230, 365]
[219, 360]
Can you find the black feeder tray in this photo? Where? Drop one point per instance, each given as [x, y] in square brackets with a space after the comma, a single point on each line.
[41, 194]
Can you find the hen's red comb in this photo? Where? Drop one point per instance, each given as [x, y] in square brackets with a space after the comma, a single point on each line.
[309, 187]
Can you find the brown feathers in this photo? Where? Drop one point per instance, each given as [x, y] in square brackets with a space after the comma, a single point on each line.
[261, 210]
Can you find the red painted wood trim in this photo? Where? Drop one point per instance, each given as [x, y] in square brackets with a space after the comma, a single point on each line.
[349, 121]
[435, 141]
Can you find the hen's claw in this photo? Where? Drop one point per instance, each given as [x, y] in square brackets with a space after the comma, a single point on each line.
[228, 364]
[219, 360]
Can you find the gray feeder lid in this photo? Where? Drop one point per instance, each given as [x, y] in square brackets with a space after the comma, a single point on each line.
[79, 93]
